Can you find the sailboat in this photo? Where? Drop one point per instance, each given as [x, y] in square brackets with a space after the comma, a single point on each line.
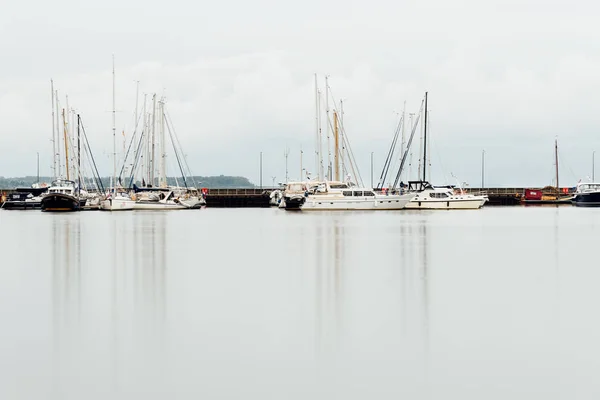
[116, 200]
[161, 196]
[549, 194]
[432, 197]
[334, 193]
[63, 194]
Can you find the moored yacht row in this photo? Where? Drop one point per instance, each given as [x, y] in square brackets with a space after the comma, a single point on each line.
[65, 195]
[316, 196]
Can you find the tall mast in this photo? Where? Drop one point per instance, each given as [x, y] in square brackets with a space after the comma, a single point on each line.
[137, 95]
[114, 128]
[53, 132]
[143, 149]
[72, 137]
[78, 158]
[403, 139]
[343, 149]
[336, 149]
[425, 140]
[153, 138]
[68, 128]
[317, 131]
[163, 169]
[286, 154]
[328, 129]
[301, 169]
[410, 161]
[321, 171]
[556, 162]
[66, 144]
[56, 154]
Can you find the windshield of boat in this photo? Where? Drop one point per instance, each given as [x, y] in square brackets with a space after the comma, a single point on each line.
[588, 187]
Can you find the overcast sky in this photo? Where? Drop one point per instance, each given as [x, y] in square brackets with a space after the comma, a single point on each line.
[505, 76]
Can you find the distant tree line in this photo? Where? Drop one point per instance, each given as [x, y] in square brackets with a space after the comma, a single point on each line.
[213, 182]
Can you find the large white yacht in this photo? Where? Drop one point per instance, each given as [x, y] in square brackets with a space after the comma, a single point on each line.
[347, 196]
[442, 198]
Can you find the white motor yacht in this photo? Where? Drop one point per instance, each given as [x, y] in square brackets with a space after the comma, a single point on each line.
[346, 196]
[442, 198]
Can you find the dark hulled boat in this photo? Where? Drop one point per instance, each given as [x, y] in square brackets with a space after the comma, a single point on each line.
[25, 199]
[587, 195]
[61, 196]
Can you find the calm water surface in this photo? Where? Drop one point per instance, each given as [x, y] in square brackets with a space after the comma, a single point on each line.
[262, 304]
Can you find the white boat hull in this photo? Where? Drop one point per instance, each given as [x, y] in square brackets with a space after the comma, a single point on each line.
[117, 204]
[445, 204]
[155, 205]
[322, 203]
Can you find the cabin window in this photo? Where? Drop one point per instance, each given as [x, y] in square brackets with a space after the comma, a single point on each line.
[347, 193]
[438, 195]
[369, 194]
[358, 193]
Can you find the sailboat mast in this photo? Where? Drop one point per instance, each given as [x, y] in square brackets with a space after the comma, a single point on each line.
[301, 170]
[403, 138]
[343, 149]
[163, 161]
[68, 128]
[78, 158]
[143, 150]
[336, 142]
[328, 128]
[114, 128]
[153, 138]
[66, 144]
[556, 162]
[425, 141]
[53, 132]
[56, 155]
[317, 130]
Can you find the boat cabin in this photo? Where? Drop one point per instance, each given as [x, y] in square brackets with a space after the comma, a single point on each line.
[62, 187]
[588, 187]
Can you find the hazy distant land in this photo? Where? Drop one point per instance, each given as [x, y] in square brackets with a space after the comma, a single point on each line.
[215, 182]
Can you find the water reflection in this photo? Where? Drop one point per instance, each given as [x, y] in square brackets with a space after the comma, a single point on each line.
[380, 265]
[282, 305]
[66, 279]
[114, 313]
[329, 245]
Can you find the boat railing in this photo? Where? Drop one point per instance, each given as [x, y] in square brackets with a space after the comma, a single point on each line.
[239, 192]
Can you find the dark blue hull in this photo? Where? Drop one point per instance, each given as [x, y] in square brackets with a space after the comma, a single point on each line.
[294, 203]
[587, 199]
[60, 202]
[21, 205]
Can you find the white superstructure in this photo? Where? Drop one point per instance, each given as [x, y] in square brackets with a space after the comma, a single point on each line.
[442, 198]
